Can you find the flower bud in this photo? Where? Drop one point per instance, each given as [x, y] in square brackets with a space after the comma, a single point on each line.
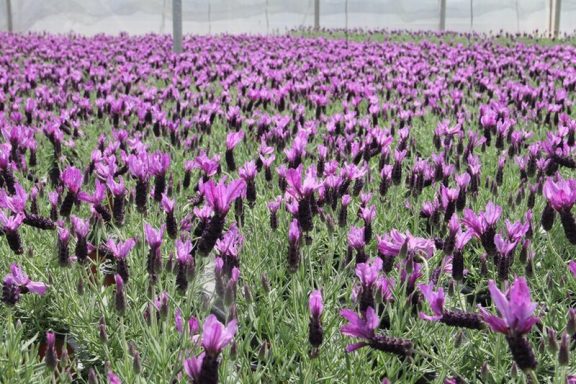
[571, 325]
[564, 351]
[551, 340]
[51, 357]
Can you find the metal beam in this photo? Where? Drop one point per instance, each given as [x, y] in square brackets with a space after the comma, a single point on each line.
[9, 16]
[442, 15]
[316, 14]
[177, 25]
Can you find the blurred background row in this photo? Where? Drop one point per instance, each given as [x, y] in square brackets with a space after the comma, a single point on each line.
[278, 16]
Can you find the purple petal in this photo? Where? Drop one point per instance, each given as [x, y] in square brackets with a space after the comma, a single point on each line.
[353, 347]
[37, 287]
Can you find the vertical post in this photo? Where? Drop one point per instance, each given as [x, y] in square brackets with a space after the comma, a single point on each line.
[549, 26]
[557, 12]
[209, 17]
[517, 17]
[346, 20]
[316, 15]
[442, 15]
[177, 25]
[471, 15]
[9, 15]
[267, 18]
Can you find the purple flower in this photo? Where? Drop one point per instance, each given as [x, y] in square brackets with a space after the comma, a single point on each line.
[97, 197]
[391, 244]
[20, 279]
[274, 205]
[561, 194]
[248, 171]
[231, 243]
[117, 188]
[359, 327]
[153, 236]
[113, 378]
[159, 163]
[220, 196]
[346, 200]
[492, 213]
[72, 179]
[364, 328]
[81, 227]
[572, 267]
[216, 336]
[503, 246]
[183, 250]
[517, 230]
[11, 223]
[233, 139]
[315, 304]
[368, 213]
[434, 299]
[294, 232]
[138, 166]
[207, 165]
[121, 249]
[15, 203]
[368, 272]
[193, 366]
[515, 309]
[356, 238]
[167, 203]
[296, 187]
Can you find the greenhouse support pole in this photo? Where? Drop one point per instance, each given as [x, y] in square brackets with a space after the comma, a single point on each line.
[9, 15]
[557, 12]
[471, 15]
[442, 15]
[316, 14]
[177, 25]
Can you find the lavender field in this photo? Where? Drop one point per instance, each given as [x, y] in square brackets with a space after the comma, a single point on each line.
[309, 208]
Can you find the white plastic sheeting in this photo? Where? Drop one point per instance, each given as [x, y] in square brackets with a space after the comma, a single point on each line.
[276, 16]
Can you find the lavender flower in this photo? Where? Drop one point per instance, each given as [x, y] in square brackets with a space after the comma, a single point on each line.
[120, 251]
[215, 337]
[232, 140]
[516, 309]
[561, 196]
[294, 235]
[171, 225]
[302, 192]
[315, 331]
[10, 227]
[219, 197]
[185, 263]
[16, 283]
[154, 240]
[364, 328]
[451, 318]
[72, 179]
